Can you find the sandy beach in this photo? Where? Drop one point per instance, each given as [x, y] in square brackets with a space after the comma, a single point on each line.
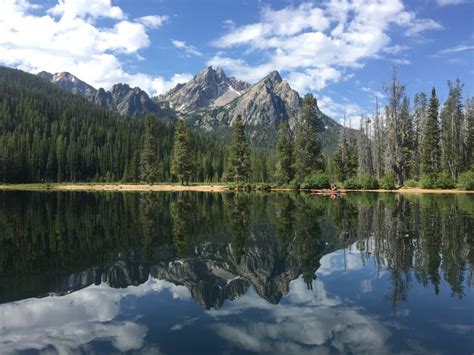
[202, 188]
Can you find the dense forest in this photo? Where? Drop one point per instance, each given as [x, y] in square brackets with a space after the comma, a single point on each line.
[49, 135]
[427, 146]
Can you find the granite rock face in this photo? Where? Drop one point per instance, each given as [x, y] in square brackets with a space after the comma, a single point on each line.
[122, 98]
[209, 88]
[211, 101]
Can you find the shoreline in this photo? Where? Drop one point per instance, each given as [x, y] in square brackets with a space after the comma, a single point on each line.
[112, 187]
[175, 187]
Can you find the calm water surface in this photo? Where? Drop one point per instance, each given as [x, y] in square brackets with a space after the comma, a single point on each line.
[210, 273]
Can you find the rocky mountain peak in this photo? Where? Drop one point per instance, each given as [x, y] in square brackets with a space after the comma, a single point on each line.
[209, 88]
[69, 82]
[274, 77]
[45, 75]
[122, 98]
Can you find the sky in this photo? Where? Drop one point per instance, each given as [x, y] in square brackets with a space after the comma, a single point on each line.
[342, 51]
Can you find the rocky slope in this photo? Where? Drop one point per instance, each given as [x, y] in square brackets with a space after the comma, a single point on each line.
[211, 101]
[122, 98]
[209, 88]
[262, 106]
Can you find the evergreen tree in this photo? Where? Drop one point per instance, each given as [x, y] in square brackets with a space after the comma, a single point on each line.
[48, 134]
[148, 157]
[238, 165]
[364, 148]
[344, 162]
[182, 166]
[407, 138]
[419, 123]
[452, 121]
[307, 154]
[468, 136]
[284, 154]
[430, 146]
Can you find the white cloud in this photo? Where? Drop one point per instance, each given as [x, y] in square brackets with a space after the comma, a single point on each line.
[337, 111]
[450, 2]
[188, 49]
[65, 38]
[161, 86]
[400, 61]
[70, 9]
[396, 49]
[456, 49]
[313, 79]
[240, 68]
[417, 26]
[315, 44]
[153, 21]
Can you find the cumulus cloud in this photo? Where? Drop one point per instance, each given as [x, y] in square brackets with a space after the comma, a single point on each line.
[84, 8]
[161, 86]
[65, 37]
[188, 49]
[316, 44]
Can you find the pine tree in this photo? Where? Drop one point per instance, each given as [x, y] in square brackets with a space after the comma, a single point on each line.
[419, 123]
[364, 148]
[468, 135]
[182, 166]
[284, 154]
[148, 157]
[452, 120]
[407, 138]
[344, 162]
[307, 154]
[238, 164]
[430, 146]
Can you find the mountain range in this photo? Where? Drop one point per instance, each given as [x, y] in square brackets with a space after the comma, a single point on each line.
[210, 101]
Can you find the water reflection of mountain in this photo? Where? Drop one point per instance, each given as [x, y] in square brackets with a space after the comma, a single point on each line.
[218, 245]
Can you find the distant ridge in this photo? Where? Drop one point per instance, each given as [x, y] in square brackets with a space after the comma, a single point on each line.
[211, 100]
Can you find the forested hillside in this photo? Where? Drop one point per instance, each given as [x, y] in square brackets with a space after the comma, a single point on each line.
[48, 134]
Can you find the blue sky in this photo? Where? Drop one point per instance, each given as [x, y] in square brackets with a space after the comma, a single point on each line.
[341, 50]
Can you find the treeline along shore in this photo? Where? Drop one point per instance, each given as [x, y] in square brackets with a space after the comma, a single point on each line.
[62, 141]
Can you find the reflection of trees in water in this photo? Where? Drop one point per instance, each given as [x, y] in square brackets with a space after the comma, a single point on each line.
[266, 239]
[180, 210]
[428, 237]
[309, 245]
[238, 216]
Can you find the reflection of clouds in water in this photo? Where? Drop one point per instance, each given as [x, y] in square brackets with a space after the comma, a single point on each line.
[351, 259]
[304, 322]
[365, 286]
[69, 322]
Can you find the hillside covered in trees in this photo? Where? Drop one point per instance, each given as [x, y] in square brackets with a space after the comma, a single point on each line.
[50, 135]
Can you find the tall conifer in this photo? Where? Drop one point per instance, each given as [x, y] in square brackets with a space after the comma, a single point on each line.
[182, 164]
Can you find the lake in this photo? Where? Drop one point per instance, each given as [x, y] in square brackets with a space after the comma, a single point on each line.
[236, 273]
